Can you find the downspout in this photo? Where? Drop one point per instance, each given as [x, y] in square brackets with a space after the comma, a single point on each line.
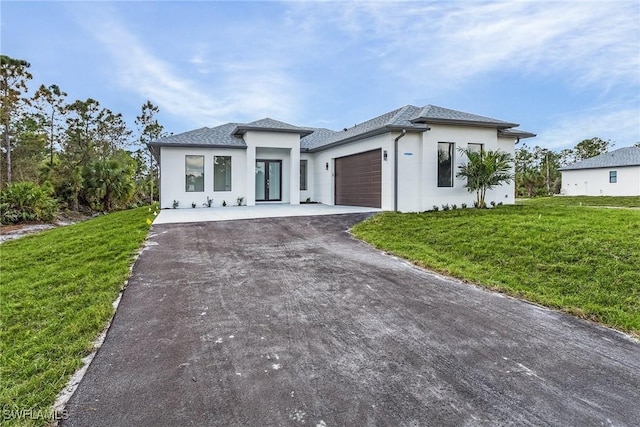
[395, 170]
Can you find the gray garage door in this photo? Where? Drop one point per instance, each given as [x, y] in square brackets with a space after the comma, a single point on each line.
[359, 179]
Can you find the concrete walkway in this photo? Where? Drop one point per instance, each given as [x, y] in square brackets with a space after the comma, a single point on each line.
[176, 216]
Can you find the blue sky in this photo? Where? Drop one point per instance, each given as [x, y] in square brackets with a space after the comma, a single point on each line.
[564, 70]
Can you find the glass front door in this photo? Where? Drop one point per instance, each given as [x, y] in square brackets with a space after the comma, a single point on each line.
[268, 180]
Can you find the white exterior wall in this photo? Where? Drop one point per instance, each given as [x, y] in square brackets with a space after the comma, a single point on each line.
[287, 149]
[324, 180]
[308, 193]
[509, 190]
[595, 182]
[431, 194]
[417, 169]
[173, 176]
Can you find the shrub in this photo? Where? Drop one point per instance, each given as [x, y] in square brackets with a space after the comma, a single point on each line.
[445, 207]
[435, 208]
[26, 201]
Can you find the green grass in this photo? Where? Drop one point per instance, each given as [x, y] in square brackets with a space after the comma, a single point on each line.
[608, 201]
[582, 260]
[56, 295]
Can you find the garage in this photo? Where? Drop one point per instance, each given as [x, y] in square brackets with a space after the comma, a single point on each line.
[358, 179]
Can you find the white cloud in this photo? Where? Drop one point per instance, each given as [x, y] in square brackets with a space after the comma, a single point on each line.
[618, 123]
[438, 46]
[247, 88]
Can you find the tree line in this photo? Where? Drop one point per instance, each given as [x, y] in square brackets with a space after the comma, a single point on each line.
[78, 153]
[538, 169]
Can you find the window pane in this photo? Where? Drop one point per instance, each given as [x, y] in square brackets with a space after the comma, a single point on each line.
[303, 174]
[274, 180]
[613, 177]
[475, 148]
[261, 180]
[222, 173]
[445, 164]
[194, 173]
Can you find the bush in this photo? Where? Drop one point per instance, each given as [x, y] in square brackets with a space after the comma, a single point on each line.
[26, 201]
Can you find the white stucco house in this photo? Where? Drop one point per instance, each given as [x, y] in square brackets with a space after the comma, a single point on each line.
[616, 173]
[403, 160]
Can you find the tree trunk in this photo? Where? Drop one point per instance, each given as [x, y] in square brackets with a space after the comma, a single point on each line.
[7, 142]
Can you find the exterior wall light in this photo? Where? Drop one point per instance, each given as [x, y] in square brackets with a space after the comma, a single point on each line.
[326, 165]
[384, 155]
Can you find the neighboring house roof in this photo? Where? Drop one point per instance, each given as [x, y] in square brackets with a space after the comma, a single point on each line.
[409, 118]
[627, 156]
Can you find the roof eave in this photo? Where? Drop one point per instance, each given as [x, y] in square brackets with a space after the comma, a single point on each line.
[569, 168]
[455, 122]
[374, 132]
[518, 134]
[186, 144]
[241, 130]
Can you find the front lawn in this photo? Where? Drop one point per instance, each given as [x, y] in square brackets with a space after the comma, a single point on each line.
[610, 201]
[56, 295]
[582, 260]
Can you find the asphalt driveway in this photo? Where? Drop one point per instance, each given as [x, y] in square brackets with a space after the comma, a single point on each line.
[291, 321]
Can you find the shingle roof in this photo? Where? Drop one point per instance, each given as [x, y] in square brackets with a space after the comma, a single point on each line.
[218, 136]
[270, 125]
[627, 156]
[393, 120]
[409, 117]
[434, 114]
[515, 133]
[316, 138]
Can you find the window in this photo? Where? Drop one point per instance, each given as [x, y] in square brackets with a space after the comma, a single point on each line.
[475, 148]
[221, 173]
[445, 164]
[613, 177]
[303, 174]
[194, 173]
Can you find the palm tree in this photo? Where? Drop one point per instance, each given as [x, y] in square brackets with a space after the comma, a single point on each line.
[110, 183]
[484, 171]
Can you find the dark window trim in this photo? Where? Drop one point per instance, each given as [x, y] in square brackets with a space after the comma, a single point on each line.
[451, 150]
[266, 190]
[186, 184]
[304, 179]
[476, 143]
[230, 174]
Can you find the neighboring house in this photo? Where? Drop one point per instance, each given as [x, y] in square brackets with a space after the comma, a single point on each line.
[610, 174]
[403, 160]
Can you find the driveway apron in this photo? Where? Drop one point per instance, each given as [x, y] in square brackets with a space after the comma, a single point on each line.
[292, 321]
